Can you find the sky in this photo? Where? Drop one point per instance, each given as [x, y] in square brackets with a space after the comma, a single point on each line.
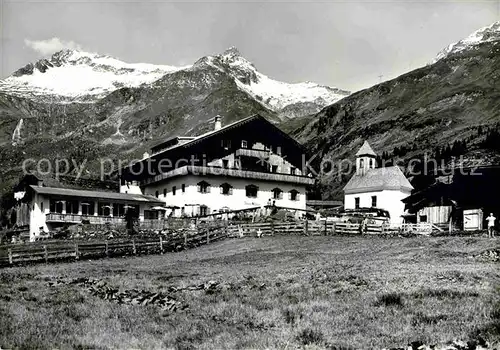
[346, 44]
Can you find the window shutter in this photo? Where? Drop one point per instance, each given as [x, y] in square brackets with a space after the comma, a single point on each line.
[280, 195]
[297, 196]
[290, 195]
[199, 188]
[221, 189]
[230, 190]
[208, 188]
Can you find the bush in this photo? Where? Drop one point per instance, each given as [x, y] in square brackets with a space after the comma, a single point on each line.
[390, 299]
[310, 336]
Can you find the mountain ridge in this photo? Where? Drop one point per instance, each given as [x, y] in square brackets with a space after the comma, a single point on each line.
[78, 76]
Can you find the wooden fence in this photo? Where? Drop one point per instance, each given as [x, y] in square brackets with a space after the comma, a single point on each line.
[54, 250]
[176, 239]
[307, 228]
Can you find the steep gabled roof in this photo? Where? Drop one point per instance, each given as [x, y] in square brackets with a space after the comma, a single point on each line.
[378, 179]
[236, 124]
[366, 150]
[198, 145]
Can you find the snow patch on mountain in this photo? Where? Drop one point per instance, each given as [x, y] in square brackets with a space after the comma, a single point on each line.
[485, 34]
[74, 74]
[77, 76]
[272, 93]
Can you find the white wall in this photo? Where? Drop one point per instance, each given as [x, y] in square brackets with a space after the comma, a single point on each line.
[37, 216]
[215, 200]
[390, 200]
[132, 189]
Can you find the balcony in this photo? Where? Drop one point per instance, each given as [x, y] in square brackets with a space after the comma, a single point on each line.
[257, 153]
[75, 219]
[219, 171]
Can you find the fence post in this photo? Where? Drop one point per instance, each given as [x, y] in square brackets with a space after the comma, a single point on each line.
[334, 228]
[107, 249]
[185, 239]
[77, 253]
[45, 254]
[161, 245]
[10, 256]
[272, 227]
[306, 227]
[134, 250]
[208, 236]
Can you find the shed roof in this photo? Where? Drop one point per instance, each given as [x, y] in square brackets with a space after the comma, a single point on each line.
[378, 179]
[126, 197]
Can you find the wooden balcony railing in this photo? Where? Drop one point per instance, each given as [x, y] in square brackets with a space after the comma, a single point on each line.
[219, 171]
[75, 218]
[257, 153]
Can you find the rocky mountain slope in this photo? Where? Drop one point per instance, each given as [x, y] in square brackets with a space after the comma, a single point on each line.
[82, 105]
[448, 109]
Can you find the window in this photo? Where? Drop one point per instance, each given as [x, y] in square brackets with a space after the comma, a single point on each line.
[294, 195]
[87, 208]
[150, 214]
[164, 192]
[174, 189]
[104, 209]
[203, 187]
[277, 193]
[251, 191]
[226, 144]
[374, 201]
[56, 206]
[274, 168]
[423, 218]
[203, 210]
[118, 210]
[356, 203]
[244, 144]
[372, 163]
[278, 150]
[226, 189]
[225, 163]
[183, 211]
[292, 170]
[183, 188]
[157, 194]
[361, 163]
[41, 206]
[72, 207]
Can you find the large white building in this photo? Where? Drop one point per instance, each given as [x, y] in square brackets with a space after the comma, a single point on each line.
[372, 187]
[246, 164]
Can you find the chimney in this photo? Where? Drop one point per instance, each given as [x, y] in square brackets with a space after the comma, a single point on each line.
[218, 122]
[145, 155]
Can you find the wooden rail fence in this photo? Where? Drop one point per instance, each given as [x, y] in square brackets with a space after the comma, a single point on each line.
[204, 233]
[308, 228]
[75, 250]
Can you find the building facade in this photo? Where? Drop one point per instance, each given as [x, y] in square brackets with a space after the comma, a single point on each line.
[42, 208]
[372, 187]
[247, 164]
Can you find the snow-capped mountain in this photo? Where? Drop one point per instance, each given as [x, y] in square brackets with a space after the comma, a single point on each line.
[274, 94]
[78, 76]
[486, 34]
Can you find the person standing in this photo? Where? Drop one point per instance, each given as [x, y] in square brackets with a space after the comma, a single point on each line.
[491, 225]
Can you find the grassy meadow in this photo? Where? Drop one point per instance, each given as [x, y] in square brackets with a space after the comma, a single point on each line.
[278, 292]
